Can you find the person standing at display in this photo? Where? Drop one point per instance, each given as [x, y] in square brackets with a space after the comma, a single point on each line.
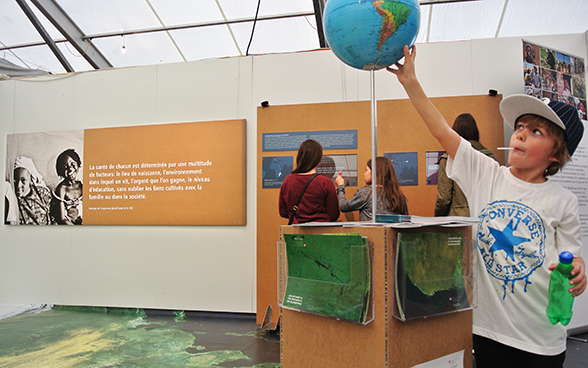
[319, 200]
[33, 197]
[390, 199]
[526, 220]
[450, 198]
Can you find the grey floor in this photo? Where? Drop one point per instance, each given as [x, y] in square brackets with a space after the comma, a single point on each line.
[577, 353]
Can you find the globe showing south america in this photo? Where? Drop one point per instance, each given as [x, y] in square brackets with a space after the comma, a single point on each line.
[370, 34]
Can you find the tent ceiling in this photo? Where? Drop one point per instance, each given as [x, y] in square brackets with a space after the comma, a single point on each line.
[169, 31]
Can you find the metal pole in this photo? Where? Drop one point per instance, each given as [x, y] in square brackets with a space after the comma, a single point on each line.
[374, 144]
[319, 8]
[48, 40]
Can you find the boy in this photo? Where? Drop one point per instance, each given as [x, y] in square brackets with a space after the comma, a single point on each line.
[525, 222]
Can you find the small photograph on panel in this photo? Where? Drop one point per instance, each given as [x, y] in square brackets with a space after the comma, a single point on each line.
[547, 58]
[532, 91]
[579, 87]
[43, 178]
[563, 63]
[581, 107]
[578, 67]
[530, 53]
[531, 75]
[548, 80]
[331, 165]
[432, 161]
[564, 82]
[406, 167]
[275, 169]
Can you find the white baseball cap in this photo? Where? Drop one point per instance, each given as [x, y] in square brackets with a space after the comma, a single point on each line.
[561, 114]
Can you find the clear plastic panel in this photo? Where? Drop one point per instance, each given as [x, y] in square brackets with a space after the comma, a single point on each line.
[326, 274]
[434, 274]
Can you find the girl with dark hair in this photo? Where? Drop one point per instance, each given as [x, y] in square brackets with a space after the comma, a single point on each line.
[465, 125]
[67, 203]
[390, 199]
[319, 200]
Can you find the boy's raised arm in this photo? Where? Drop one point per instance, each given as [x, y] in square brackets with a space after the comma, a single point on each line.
[436, 123]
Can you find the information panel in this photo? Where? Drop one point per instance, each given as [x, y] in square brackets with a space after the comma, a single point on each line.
[329, 139]
[169, 174]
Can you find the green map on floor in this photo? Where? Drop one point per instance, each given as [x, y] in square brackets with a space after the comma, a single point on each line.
[76, 337]
[328, 274]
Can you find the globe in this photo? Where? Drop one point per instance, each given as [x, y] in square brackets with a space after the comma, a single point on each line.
[370, 34]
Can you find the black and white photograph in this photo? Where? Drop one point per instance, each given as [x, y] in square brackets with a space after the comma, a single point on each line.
[43, 179]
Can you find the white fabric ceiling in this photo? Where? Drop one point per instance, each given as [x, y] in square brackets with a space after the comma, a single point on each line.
[222, 28]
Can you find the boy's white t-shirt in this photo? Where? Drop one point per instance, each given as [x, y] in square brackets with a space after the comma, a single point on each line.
[523, 228]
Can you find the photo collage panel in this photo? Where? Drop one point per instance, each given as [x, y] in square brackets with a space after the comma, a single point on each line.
[553, 74]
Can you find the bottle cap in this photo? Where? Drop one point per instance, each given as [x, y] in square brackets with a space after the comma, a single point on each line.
[566, 257]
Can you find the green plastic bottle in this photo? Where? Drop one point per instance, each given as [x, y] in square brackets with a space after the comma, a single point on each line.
[561, 301]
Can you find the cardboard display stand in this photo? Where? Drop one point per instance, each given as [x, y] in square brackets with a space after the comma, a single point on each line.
[308, 340]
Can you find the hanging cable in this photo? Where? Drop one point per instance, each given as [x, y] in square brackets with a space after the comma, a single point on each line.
[253, 29]
[82, 54]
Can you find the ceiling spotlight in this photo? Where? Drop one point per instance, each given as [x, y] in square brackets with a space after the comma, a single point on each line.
[124, 48]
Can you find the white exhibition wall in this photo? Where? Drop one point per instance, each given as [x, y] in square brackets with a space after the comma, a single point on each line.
[204, 268]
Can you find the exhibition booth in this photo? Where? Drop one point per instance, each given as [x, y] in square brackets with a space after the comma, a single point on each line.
[190, 161]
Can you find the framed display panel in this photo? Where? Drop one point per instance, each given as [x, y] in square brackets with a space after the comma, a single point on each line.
[184, 173]
[167, 174]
